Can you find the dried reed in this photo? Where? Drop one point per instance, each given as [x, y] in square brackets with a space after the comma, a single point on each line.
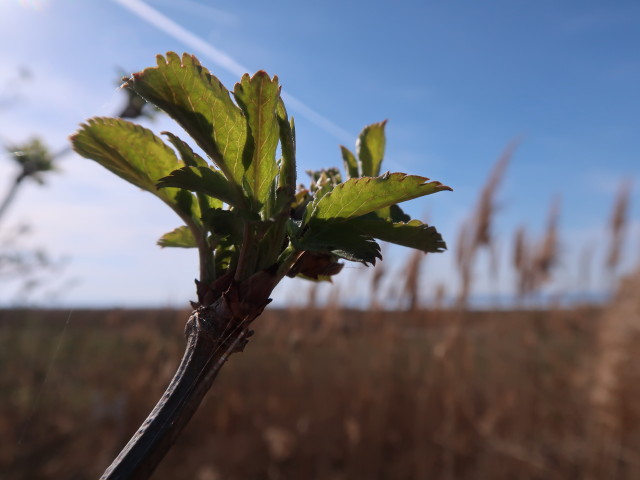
[411, 290]
[613, 395]
[618, 225]
[476, 231]
[377, 275]
[534, 261]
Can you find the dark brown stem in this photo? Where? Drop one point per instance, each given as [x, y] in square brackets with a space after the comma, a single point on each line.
[213, 333]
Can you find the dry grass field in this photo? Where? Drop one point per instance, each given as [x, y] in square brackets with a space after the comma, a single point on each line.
[334, 394]
[330, 393]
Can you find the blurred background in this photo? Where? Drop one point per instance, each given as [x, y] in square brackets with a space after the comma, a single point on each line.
[511, 355]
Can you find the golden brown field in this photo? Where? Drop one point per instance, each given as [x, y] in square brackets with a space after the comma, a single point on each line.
[330, 393]
[334, 394]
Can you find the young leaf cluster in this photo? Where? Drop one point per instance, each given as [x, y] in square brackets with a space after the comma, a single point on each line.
[238, 202]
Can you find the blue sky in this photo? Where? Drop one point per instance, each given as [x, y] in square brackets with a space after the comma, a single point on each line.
[457, 82]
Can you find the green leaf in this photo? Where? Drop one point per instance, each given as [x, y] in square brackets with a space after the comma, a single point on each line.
[413, 234]
[322, 182]
[370, 149]
[287, 166]
[181, 237]
[128, 150]
[259, 96]
[188, 156]
[350, 163]
[392, 213]
[279, 208]
[192, 159]
[360, 249]
[201, 105]
[224, 223]
[135, 154]
[202, 180]
[359, 196]
[396, 214]
[327, 237]
[224, 258]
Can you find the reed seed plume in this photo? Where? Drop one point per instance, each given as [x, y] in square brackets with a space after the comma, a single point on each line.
[465, 253]
[487, 205]
[377, 274]
[618, 225]
[534, 261]
[548, 252]
[476, 232]
[411, 289]
[521, 261]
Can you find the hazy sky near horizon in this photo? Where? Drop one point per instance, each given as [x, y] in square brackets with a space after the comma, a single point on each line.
[456, 81]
